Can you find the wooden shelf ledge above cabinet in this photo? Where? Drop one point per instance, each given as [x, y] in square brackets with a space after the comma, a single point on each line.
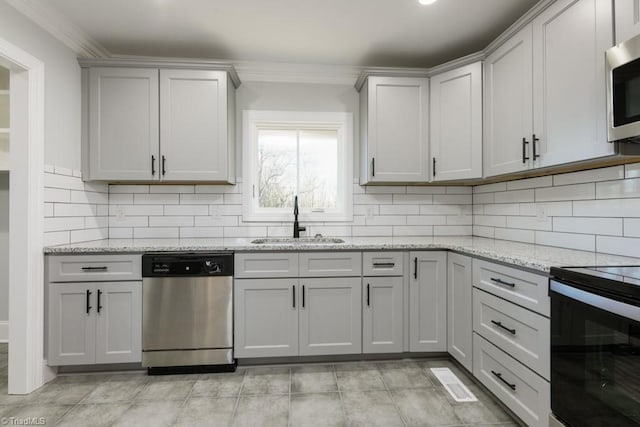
[158, 120]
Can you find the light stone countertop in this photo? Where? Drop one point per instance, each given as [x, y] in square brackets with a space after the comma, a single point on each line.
[534, 257]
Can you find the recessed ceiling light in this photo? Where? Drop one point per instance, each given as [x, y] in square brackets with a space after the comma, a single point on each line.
[426, 2]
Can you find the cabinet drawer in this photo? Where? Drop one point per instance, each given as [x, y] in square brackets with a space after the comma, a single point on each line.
[382, 263]
[330, 264]
[266, 264]
[520, 287]
[521, 333]
[524, 392]
[88, 268]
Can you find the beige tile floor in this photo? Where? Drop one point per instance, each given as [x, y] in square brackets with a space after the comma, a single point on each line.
[400, 393]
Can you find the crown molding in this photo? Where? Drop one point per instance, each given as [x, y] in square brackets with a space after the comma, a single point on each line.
[60, 27]
[280, 72]
[389, 72]
[457, 63]
[155, 62]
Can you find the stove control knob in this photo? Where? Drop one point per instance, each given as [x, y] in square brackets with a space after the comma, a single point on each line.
[211, 267]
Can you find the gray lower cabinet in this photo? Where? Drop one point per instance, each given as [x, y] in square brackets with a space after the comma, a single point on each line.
[330, 316]
[97, 322]
[297, 317]
[428, 302]
[459, 309]
[382, 315]
[266, 317]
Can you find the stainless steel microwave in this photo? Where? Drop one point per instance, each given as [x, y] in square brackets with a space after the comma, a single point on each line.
[623, 91]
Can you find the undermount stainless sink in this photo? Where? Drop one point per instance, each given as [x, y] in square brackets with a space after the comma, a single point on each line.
[300, 240]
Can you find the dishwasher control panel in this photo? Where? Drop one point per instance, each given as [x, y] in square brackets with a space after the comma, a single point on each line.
[196, 264]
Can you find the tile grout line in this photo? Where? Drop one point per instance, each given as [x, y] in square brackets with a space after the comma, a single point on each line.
[344, 410]
[235, 406]
[289, 397]
[393, 401]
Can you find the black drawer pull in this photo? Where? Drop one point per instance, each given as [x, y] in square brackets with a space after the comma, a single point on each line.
[99, 305]
[293, 288]
[94, 268]
[415, 268]
[368, 295]
[499, 375]
[88, 301]
[384, 264]
[500, 325]
[524, 150]
[502, 282]
[153, 165]
[302, 296]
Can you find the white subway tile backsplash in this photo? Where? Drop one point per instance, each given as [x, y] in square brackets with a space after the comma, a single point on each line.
[444, 209]
[136, 210]
[413, 230]
[167, 189]
[516, 235]
[459, 190]
[183, 210]
[372, 199]
[57, 238]
[429, 219]
[482, 231]
[232, 232]
[156, 199]
[386, 220]
[385, 189]
[514, 196]
[48, 209]
[631, 227]
[63, 224]
[460, 220]
[452, 199]
[490, 188]
[77, 236]
[201, 199]
[232, 199]
[217, 189]
[632, 170]
[399, 210]
[625, 246]
[51, 180]
[529, 223]
[620, 189]
[603, 226]
[523, 184]
[593, 175]
[620, 208]
[361, 231]
[502, 209]
[566, 192]
[452, 230]
[74, 209]
[427, 190]
[128, 189]
[57, 195]
[552, 208]
[490, 220]
[96, 222]
[121, 199]
[120, 233]
[483, 198]
[412, 199]
[199, 232]
[216, 221]
[89, 197]
[156, 233]
[583, 242]
[171, 221]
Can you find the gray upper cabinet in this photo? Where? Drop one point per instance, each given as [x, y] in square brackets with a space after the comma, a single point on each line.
[394, 131]
[508, 106]
[123, 124]
[196, 125]
[428, 302]
[154, 123]
[459, 309]
[627, 19]
[456, 123]
[569, 98]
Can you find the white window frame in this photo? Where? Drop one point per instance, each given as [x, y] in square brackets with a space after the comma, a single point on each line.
[254, 120]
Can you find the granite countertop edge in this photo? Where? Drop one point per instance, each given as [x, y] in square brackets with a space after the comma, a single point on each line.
[529, 256]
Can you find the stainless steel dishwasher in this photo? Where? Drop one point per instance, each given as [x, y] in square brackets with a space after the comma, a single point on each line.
[187, 313]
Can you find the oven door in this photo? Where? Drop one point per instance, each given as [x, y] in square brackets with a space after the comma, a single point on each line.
[595, 359]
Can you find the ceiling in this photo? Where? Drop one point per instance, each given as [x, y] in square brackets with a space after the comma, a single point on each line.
[398, 33]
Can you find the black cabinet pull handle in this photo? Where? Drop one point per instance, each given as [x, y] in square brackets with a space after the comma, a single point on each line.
[434, 166]
[499, 375]
[502, 282]
[368, 295]
[99, 305]
[384, 264]
[104, 268]
[302, 296]
[88, 301]
[415, 268]
[373, 166]
[153, 165]
[535, 156]
[293, 288]
[500, 325]
[524, 150]
[164, 164]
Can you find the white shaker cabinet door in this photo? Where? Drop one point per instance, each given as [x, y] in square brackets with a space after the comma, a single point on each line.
[71, 326]
[123, 124]
[194, 131]
[396, 138]
[508, 106]
[456, 123]
[627, 19]
[382, 315]
[266, 317]
[459, 306]
[428, 302]
[569, 103]
[118, 322]
[330, 316]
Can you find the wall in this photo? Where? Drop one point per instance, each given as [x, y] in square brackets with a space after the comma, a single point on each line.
[4, 247]
[75, 211]
[62, 85]
[595, 210]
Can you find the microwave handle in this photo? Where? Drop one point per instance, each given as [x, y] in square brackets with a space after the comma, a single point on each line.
[619, 308]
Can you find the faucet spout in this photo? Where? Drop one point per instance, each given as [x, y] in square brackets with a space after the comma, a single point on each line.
[296, 226]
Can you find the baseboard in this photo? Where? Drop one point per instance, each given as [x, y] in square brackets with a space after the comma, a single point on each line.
[4, 331]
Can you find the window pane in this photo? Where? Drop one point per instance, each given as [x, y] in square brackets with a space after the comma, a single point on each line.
[318, 168]
[277, 169]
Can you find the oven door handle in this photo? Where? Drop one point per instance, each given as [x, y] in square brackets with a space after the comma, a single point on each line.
[619, 308]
